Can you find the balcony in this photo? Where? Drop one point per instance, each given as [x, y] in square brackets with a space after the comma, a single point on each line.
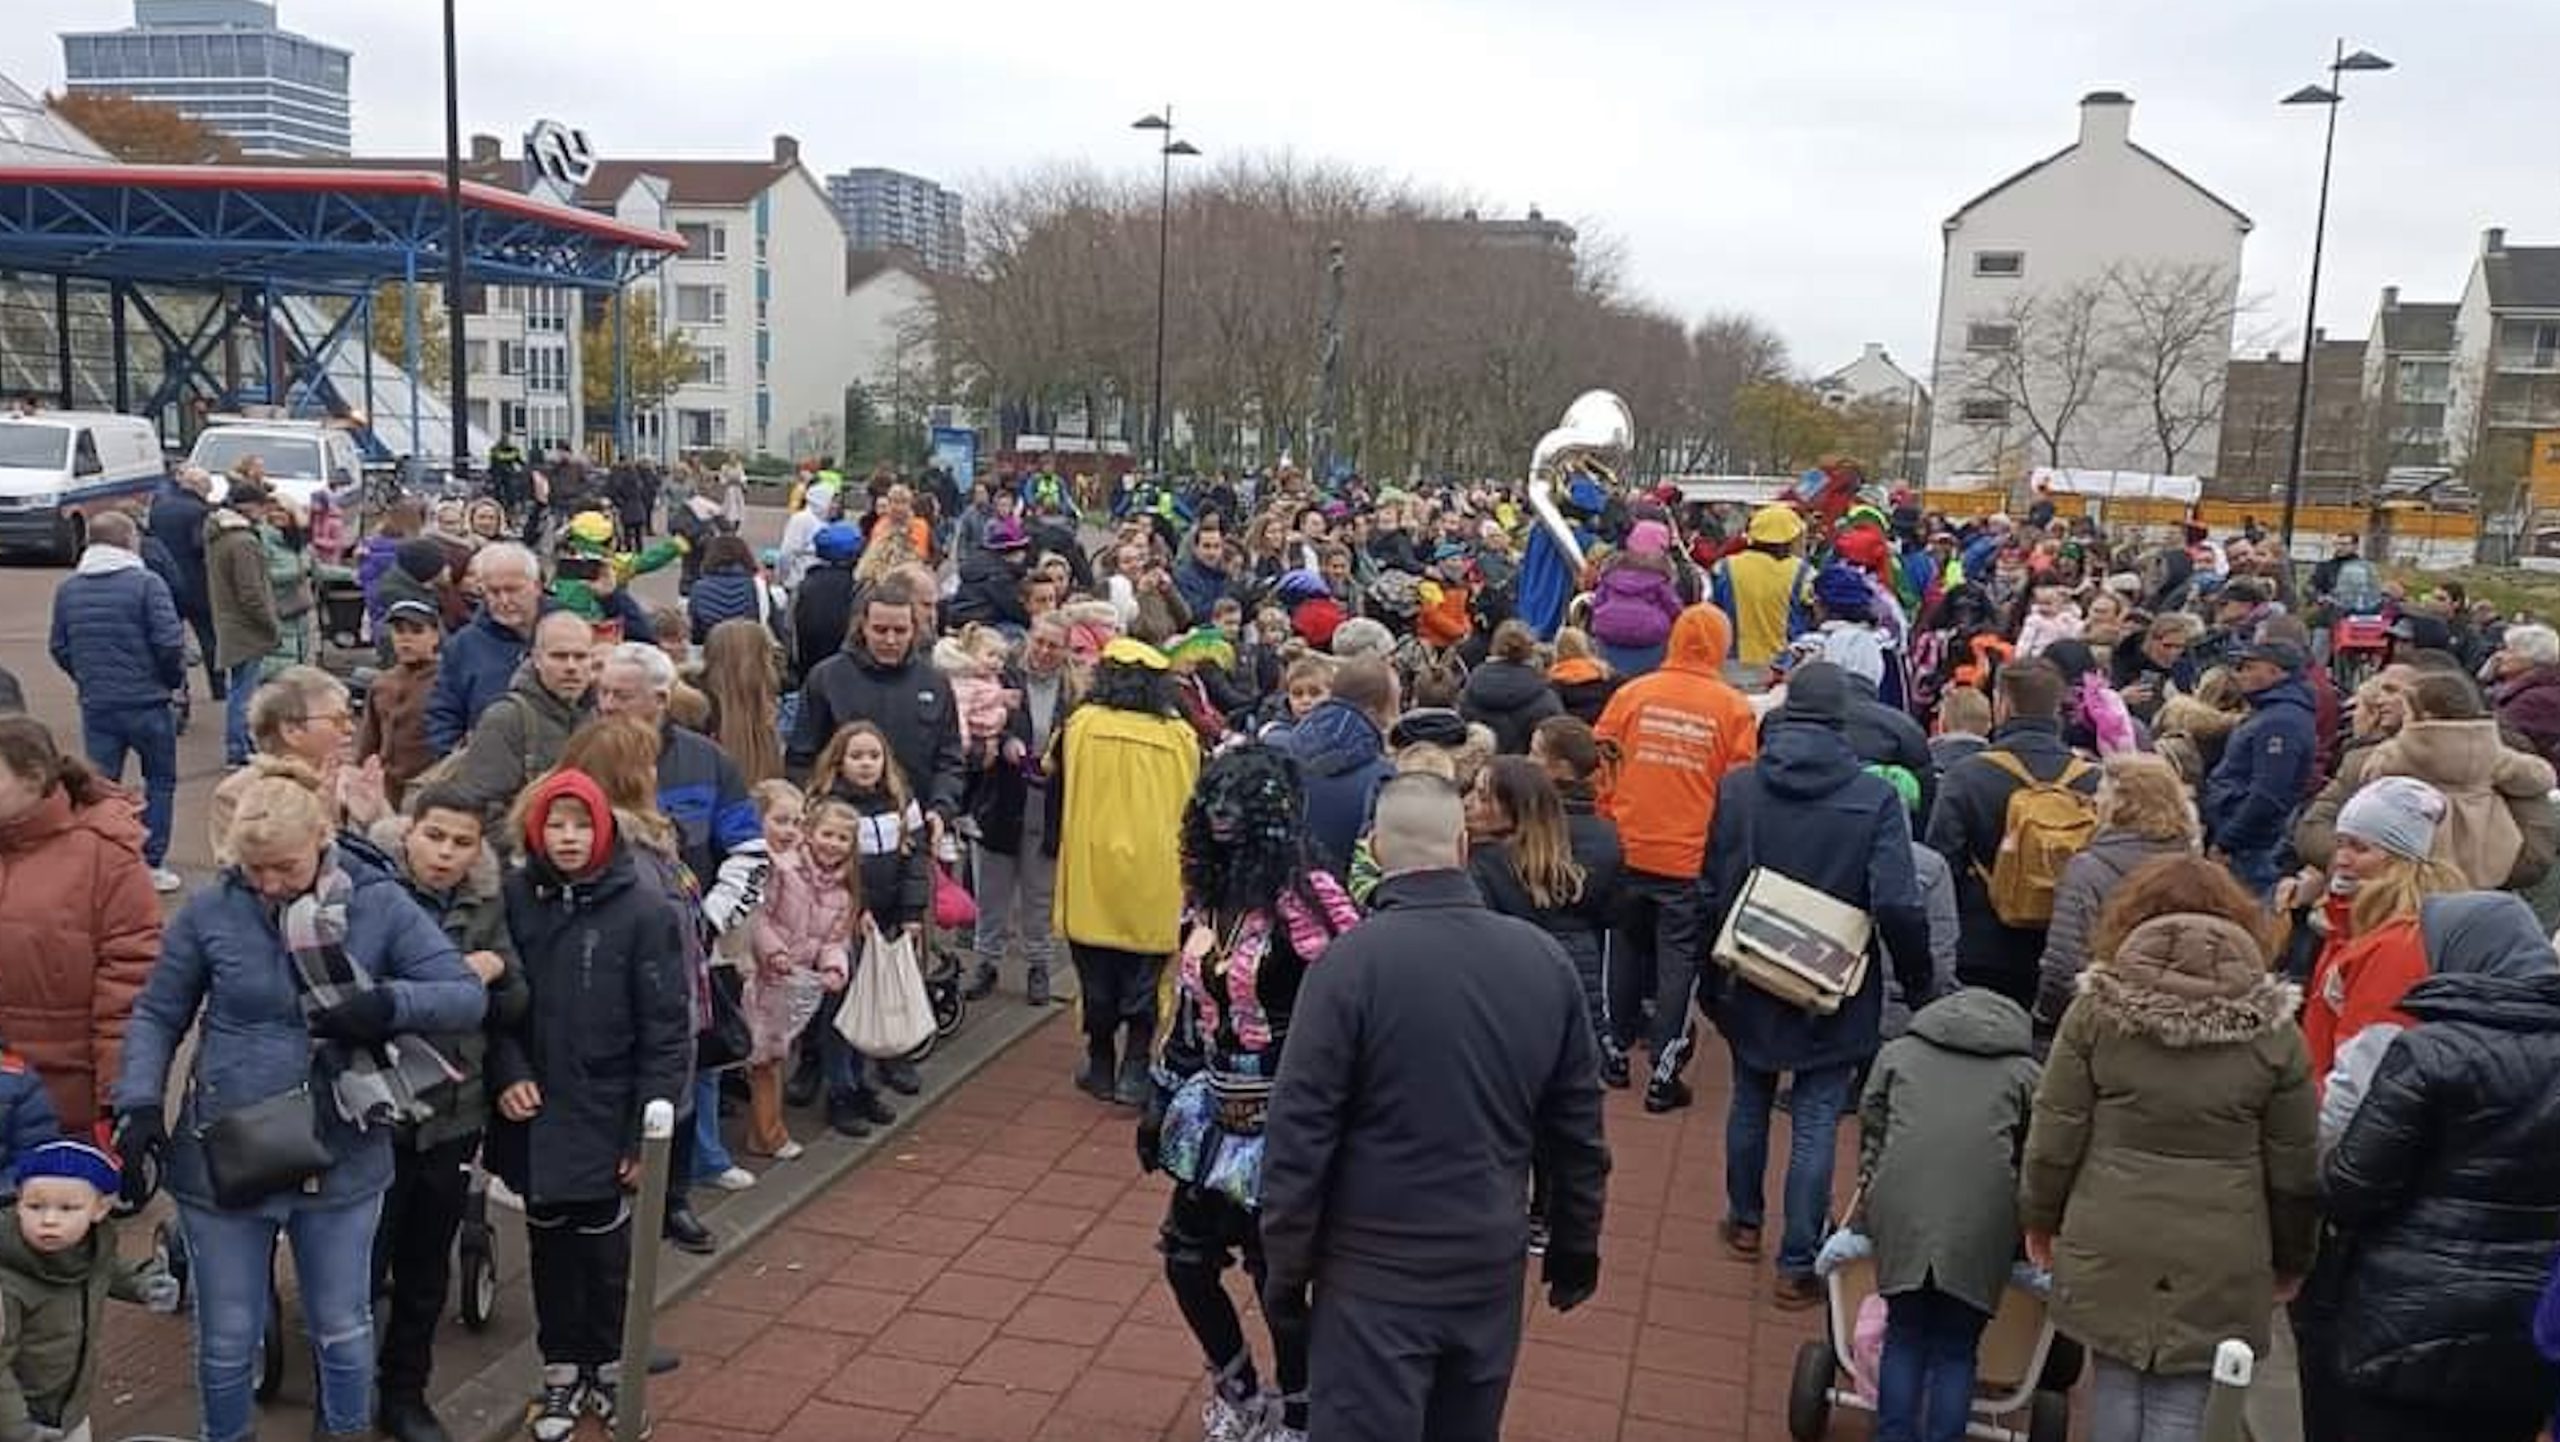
[2533, 361]
[2540, 414]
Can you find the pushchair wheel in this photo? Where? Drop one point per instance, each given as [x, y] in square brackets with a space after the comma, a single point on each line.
[1809, 1392]
[271, 1347]
[2049, 1418]
[169, 1249]
[479, 1283]
[950, 1007]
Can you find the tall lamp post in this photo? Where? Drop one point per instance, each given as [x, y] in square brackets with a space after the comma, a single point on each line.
[458, 348]
[1167, 148]
[2329, 95]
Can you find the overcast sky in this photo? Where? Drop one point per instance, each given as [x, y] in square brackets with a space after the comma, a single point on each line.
[1789, 160]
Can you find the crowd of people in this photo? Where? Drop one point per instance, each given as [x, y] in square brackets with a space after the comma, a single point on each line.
[1385, 830]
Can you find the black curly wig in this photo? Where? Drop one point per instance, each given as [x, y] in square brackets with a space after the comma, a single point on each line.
[1134, 688]
[1244, 830]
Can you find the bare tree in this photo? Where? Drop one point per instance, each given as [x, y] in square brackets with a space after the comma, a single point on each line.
[2169, 346]
[2043, 357]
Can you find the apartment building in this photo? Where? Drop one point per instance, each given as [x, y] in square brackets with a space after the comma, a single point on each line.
[227, 65]
[2504, 380]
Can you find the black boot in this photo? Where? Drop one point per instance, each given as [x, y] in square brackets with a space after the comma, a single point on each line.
[687, 1233]
[982, 982]
[802, 1089]
[1094, 1078]
[406, 1417]
[1136, 1082]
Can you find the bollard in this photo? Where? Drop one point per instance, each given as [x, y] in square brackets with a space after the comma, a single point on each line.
[2233, 1365]
[640, 1310]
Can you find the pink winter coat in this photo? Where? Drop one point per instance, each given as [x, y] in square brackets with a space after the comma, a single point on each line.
[801, 934]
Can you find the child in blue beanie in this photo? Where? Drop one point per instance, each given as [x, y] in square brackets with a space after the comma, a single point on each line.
[58, 1267]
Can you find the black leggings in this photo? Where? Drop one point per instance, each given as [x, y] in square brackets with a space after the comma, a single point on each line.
[1202, 1234]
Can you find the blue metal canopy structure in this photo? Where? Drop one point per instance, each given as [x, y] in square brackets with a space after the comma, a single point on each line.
[124, 238]
[300, 230]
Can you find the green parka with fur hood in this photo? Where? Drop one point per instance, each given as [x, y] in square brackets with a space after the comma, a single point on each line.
[2172, 1155]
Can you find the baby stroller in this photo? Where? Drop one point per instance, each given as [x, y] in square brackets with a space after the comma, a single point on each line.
[2023, 1368]
[945, 963]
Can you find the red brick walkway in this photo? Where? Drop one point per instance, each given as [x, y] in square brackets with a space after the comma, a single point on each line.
[995, 1280]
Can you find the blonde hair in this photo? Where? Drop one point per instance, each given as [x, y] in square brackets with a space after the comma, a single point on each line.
[893, 781]
[1572, 643]
[2145, 795]
[277, 814]
[770, 796]
[742, 684]
[2399, 890]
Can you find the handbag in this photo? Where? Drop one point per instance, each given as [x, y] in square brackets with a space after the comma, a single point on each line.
[1805, 947]
[886, 1012]
[954, 909]
[264, 1148]
[726, 1039]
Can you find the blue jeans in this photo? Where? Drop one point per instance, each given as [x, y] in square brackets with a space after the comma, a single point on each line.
[1813, 1121]
[150, 733]
[235, 714]
[232, 1255]
[710, 1156]
[1924, 1386]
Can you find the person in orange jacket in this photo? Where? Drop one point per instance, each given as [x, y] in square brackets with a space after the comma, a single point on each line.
[1669, 737]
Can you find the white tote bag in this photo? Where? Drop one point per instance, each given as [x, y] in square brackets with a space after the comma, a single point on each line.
[886, 1013]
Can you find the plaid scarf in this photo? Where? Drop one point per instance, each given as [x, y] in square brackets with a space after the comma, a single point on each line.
[371, 1085]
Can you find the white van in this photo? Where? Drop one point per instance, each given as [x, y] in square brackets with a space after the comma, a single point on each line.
[301, 457]
[59, 468]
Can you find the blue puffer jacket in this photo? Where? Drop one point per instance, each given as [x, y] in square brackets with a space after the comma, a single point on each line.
[223, 961]
[700, 790]
[116, 632]
[26, 1113]
[177, 522]
[478, 665]
[1345, 762]
[2260, 776]
[720, 596]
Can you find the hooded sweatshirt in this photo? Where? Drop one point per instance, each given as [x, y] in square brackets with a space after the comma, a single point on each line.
[1671, 736]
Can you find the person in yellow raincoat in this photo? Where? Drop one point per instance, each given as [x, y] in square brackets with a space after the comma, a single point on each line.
[1123, 766]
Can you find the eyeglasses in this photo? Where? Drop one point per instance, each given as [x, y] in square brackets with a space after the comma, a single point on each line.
[331, 718]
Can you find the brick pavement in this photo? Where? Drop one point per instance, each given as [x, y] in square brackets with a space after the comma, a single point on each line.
[995, 1280]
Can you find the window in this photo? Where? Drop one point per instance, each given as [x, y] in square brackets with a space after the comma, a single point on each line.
[702, 430]
[704, 240]
[1983, 411]
[546, 370]
[1990, 335]
[2425, 383]
[546, 309]
[84, 455]
[702, 305]
[511, 358]
[2003, 264]
[514, 424]
[475, 357]
[711, 366]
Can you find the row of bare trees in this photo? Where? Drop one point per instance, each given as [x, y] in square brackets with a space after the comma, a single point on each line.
[1461, 341]
[2141, 350]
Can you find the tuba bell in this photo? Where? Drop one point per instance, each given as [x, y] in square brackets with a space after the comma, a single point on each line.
[1593, 440]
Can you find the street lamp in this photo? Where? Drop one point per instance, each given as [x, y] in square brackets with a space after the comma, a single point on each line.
[1168, 148]
[457, 347]
[2329, 95]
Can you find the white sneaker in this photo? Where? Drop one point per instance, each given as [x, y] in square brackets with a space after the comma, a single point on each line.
[1225, 1421]
[788, 1152]
[736, 1179]
[165, 881]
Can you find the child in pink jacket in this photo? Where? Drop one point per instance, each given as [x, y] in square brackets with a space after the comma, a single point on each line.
[801, 940]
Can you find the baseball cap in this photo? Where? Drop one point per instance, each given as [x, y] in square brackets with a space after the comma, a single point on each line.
[412, 610]
[2283, 653]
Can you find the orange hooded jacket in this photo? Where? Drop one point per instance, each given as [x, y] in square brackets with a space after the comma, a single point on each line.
[1670, 737]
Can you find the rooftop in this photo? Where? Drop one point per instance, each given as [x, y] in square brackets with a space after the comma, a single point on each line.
[2419, 327]
[2102, 117]
[689, 182]
[2523, 277]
